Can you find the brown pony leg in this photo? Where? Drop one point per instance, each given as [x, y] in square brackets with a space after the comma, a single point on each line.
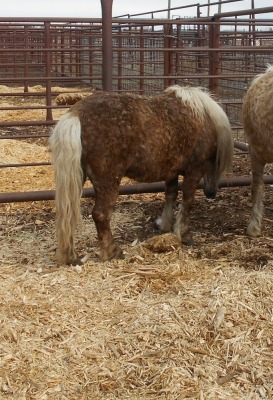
[257, 193]
[105, 200]
[182, 224]
[171, 191]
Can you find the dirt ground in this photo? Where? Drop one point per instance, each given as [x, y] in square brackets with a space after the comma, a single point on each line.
[168, 322]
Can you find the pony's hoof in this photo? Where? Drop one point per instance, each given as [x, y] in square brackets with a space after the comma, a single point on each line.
[210, 194]
[188, 242]
[253, 231]
[158, 223]
[68, 259]
[115, 253]
[163, 227]
[76, 262]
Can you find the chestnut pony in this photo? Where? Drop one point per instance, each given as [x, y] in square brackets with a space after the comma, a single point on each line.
[147, 138]
[258, 127]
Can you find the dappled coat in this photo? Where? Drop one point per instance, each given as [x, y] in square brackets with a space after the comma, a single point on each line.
[108, 136]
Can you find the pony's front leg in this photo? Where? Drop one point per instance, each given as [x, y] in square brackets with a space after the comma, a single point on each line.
[257, 193]
[105, 200]
[171, 191]
[182, 223]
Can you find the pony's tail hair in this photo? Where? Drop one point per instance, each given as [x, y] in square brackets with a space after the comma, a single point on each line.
[66, 147]
[201, 103]
[225, 143]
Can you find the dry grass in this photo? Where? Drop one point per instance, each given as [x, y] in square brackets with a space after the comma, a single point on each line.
[26, 178]
[38, 114]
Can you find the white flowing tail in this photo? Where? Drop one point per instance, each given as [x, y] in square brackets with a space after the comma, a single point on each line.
[66, 147]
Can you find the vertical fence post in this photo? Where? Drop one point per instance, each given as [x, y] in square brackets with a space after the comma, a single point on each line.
[14, 54]
[62, 55]
[107, 45]
[48, 66]
[141, 60]
[78, 42]
[27, 44]
[91, 55]
[168, 43]
[178, 57]
[120, 57]
[214, 57]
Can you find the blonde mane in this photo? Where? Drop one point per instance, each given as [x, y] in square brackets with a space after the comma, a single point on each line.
[201, 101]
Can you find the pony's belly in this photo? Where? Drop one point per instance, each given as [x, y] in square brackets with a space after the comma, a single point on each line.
[152, 174]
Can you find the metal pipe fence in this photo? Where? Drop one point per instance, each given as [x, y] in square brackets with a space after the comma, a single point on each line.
[42, 58]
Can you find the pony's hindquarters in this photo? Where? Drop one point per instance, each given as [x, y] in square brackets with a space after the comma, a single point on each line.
[66, 147]
[257, 114]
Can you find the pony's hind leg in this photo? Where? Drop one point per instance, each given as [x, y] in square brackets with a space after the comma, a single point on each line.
[171, 191]
[105, 200]
[257, 193]
[182, 223]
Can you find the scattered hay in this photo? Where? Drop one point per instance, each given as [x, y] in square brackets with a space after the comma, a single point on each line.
[18, 151]
[5, 89]
[38, 114]
[153, 326]
[28, 178]
[163, 243]
[36, 88]
[69, 98]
